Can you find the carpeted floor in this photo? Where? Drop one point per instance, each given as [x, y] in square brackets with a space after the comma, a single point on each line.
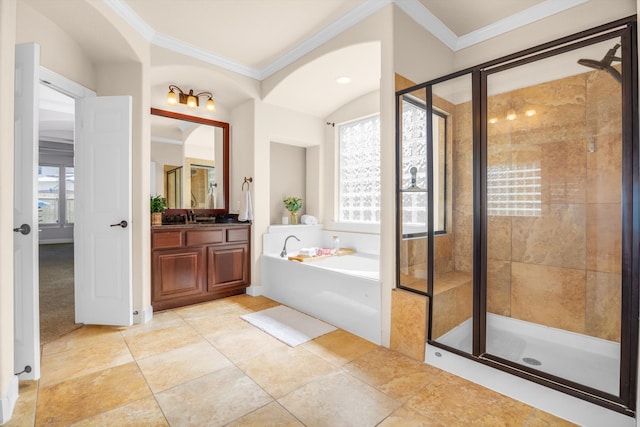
[57, 314]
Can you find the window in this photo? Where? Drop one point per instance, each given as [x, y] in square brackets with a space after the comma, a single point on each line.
[359, 171]
[414, 168]
[56, 197]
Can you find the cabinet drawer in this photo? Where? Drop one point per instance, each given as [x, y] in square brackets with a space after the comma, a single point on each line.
[203, 237]
[171, 239]
[238, 235]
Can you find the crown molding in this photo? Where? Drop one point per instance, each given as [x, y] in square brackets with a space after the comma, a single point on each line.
[517, 20]
[132, 18]
[413, 8]
[175, 45]
[342, 24]
[428, 21]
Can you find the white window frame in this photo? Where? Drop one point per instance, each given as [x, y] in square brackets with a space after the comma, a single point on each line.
[337, 224]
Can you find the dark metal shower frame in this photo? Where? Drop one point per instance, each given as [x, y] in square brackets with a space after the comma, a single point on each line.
[626, 29]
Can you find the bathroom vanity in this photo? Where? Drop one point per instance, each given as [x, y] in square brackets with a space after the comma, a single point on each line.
[192, 263]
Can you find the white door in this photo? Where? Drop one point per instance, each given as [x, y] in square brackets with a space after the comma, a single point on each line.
[102, 230]
[25, 239]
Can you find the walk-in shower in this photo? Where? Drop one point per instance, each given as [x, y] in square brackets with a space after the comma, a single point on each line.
[518, 225]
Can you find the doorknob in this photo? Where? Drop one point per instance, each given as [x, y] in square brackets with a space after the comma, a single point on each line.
[122, 224]
[24, 229]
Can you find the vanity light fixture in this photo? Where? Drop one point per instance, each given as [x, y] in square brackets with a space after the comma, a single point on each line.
[177, 95]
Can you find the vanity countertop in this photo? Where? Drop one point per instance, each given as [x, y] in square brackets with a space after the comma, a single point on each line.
[200, 225]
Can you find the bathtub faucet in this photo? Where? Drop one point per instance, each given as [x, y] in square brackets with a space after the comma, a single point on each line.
[284, 248]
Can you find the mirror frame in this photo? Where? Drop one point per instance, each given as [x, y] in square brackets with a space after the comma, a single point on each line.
[225, 151]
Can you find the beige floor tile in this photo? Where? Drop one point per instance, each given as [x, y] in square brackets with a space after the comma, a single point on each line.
[239, 304]
[405, 417]
[160, 320]
[272, 415]
[240, 341]
[394, 374]
[76, 399]
[454, 401]
[283, 370]
[207, 309]
[183, 364]
[338, 399]
[76, 362]
[143, 412]
[24, 413]
[542, 419]
[85, 336]
[156, 341]
[339, 347]
[210, 325]
[212, 400]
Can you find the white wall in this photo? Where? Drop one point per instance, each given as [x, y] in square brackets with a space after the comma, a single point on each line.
[418, 55]
[288, 165]
[59, 52]
[7, 59]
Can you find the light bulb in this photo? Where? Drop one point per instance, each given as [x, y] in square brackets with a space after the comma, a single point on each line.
[172, 98]
[211, 105]
[192, 102]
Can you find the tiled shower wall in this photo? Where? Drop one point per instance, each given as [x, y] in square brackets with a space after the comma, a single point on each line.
[559, 267]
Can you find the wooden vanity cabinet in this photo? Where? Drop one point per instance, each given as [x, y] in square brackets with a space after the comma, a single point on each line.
[198, 263]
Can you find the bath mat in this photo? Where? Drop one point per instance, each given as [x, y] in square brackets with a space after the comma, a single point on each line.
[288, 325]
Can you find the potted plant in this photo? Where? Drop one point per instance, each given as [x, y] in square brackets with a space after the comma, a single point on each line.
[293, 205]
[158, 205]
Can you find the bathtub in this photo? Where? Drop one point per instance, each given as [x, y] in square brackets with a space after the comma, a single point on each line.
[343, 291]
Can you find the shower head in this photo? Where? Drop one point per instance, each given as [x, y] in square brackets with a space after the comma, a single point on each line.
[605, 63]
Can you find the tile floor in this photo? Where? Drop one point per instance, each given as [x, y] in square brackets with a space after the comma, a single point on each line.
[204, 366]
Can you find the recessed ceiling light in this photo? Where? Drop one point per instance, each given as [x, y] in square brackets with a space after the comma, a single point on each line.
[343, 80]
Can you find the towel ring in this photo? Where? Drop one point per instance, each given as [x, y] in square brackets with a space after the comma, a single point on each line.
[247, 181]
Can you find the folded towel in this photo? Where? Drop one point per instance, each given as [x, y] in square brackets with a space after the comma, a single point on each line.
[210, 201]
[308, 252]
[246, 211]
[309, 220]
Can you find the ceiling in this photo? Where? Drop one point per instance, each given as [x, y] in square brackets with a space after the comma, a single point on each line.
[256, 38]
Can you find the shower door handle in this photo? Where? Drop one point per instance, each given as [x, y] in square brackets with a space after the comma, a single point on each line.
[23, 229]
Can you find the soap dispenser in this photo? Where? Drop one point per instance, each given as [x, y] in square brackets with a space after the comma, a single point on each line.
[336, 245]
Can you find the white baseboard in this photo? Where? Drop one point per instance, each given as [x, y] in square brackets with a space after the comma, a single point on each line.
[143, 316]
[8, 402]
[254, 290]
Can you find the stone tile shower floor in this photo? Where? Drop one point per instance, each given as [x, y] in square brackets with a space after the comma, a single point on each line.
[204, 366]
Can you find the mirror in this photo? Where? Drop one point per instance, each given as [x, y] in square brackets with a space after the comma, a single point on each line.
[190, 161]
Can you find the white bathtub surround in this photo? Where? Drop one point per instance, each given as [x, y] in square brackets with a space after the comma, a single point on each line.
[313, 236]
[342, 296]
[343, 291]
[559, 352]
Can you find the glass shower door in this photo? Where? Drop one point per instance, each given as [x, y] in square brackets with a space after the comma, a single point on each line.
[554, 214]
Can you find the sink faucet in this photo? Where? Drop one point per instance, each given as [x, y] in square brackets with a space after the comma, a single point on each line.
[284, 248]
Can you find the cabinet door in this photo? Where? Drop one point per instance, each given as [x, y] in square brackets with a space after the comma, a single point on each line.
[177, 273]
[227, 266]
